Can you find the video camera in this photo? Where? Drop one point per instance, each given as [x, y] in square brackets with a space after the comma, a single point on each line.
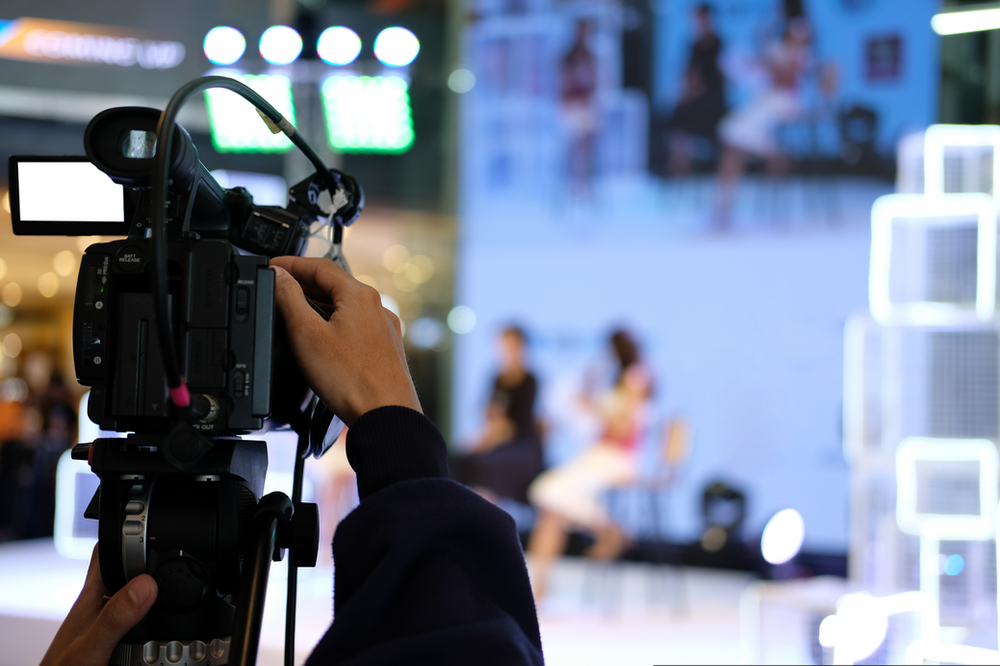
[174, 331]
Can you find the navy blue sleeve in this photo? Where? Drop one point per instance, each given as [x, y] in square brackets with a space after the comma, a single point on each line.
[426, 571]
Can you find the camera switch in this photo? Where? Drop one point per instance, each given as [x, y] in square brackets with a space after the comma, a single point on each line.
[242, 301]
[238, 379]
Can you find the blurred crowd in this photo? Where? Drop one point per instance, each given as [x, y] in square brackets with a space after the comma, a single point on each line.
[38, 423]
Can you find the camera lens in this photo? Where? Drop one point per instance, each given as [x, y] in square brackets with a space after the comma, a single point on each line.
[137, 144]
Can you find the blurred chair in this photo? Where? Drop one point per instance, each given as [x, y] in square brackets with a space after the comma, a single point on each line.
[641, 509]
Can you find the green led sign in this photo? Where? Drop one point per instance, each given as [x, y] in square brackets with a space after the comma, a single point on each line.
[367, 114]
[236, 126]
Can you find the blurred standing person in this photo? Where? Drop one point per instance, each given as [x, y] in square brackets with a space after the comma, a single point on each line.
[751, 129]
[703, 98]
[570, 495]
[580, 112]
[507, 454]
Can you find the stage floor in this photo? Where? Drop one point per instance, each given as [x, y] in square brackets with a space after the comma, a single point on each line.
[621, 614]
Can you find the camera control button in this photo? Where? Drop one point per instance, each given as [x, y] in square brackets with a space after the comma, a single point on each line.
[134, 507]
[130, 259]
[238, 379]
[242, 301]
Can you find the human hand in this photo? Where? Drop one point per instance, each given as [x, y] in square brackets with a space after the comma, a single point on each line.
[90, 632]
[355, 361]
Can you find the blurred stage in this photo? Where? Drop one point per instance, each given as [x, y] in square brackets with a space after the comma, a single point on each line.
[623, 614]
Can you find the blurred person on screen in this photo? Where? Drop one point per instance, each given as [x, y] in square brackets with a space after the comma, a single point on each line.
[702, 102]
[507, 453]
[750, 131]
[570, 495]
[579, 110]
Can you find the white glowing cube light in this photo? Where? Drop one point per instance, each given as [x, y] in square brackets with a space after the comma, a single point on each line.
[939, 526]
[943, 211]
[939, 138]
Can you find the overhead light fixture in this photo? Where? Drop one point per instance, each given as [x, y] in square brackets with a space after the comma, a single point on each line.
[280, 45]
[224, 45]
[971, 20]
[396, 47]
[338, 45]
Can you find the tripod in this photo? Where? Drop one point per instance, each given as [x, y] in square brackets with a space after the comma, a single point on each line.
[183, 508]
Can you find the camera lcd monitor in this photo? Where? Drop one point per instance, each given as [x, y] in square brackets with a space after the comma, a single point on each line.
[65, 196]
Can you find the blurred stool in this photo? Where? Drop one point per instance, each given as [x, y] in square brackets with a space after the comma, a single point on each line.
[641, 509]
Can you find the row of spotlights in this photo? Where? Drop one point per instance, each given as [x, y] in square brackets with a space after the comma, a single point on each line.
[339, 45]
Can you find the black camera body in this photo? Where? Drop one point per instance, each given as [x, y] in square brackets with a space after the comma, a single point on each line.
[175, 331]
[222, 307]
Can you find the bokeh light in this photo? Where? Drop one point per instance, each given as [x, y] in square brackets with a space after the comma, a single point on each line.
[6, 315]
[280, 45]
[338, 45]
[782, 536]
[396, 47]
[395, 258]
[12, 345]
[461, 319]
[6, 201]
[14, 389]
[3, 268]
[64, 263]
[461, 81]
[426, 333]
[224, 45]
[12, 294]
[48, 284]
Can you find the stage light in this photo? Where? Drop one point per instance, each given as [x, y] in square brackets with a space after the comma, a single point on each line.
[280, 45]
[396, 47]
[237, 128]
[783, 536]
[461, 81]
[224, 45]
[975, 20]
[461, 319]
[367, 114]
[338, 45]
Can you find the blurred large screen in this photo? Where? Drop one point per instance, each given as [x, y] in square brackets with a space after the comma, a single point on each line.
[701, 173]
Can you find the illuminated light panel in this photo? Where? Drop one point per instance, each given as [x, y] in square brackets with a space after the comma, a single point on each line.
[938, 212]
[939, 137]
[956, 23]
[280, 45]
[338, 45]
[782, 537]
[945, 526]
[224, 45]
[237, 127]
[855, 334]
[367, 114]
[396, 47]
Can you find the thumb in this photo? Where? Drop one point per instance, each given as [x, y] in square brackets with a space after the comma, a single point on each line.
[122, 612]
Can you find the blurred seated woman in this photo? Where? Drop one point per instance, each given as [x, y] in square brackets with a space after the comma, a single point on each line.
[507, 453]
[570, 495]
